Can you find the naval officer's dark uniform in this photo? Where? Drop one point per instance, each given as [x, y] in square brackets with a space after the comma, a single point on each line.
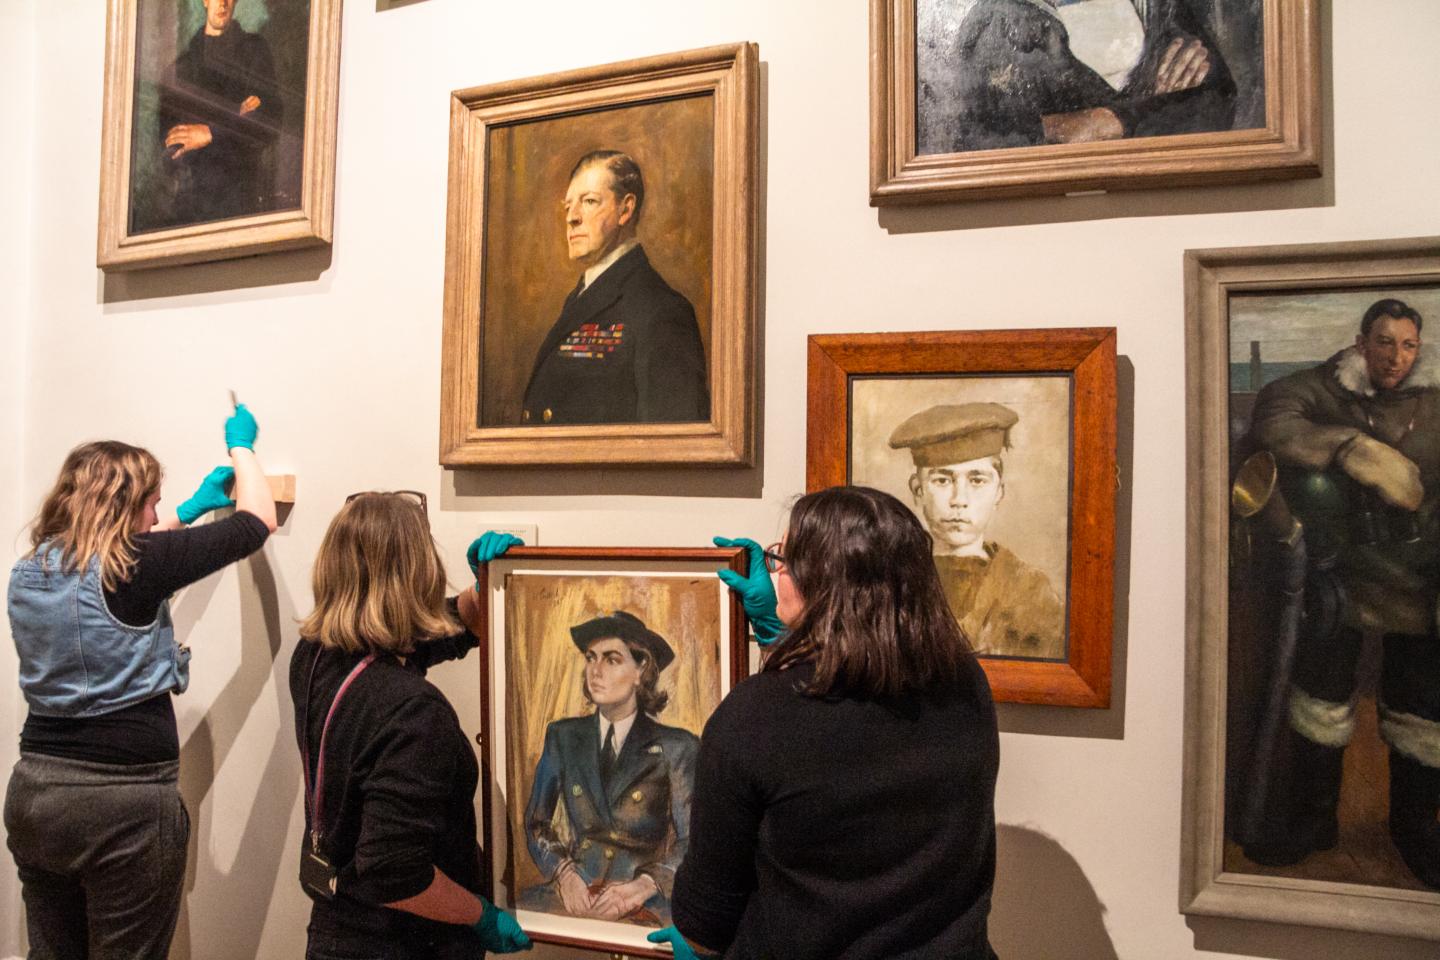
[639, 824]
[626, 349]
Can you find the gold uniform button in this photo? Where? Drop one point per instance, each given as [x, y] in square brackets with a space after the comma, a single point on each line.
[525, 417]
[547, 415]
[637, 796]
[655, 748]
[585, 844]
[609, 854]
[576, 790]
[614, 835]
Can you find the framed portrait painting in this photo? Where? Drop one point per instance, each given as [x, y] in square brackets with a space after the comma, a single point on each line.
[600, 266]
[1312, 721]
[219, 137]
[1003, 443]
[972, 99]
[601, 667]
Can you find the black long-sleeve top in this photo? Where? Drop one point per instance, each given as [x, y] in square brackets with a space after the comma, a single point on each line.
[840, 828]
[399, 792]
[165, 561]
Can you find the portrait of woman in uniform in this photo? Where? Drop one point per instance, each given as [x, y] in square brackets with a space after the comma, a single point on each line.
[600, 265]
[602, 673]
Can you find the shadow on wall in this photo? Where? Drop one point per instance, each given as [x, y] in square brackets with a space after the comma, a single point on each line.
[245, 886]
[1033, 872]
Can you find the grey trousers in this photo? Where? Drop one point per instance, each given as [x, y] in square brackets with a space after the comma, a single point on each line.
[101, 855]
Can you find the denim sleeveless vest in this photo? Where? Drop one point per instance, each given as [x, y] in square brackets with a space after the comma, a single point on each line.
[76, 658]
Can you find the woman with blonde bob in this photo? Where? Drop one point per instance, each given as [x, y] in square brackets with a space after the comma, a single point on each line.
[94, 817]
[389, 855]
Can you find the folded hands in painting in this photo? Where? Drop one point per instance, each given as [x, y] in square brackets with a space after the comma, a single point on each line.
[1185, 64]
[611, 902]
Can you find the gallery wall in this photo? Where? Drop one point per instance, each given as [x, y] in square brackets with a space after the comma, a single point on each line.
[338, 354]
[17, 152]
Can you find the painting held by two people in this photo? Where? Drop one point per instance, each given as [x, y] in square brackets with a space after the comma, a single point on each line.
[220, 113]
[1006, 606]
[1356, 441]
[1030, 72]
[626, 347]
[622, 779]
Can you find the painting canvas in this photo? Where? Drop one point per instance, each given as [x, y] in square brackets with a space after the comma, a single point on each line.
[1358, 717]
[1001, 98]
[1003, 444]
[1322, 469]
[603, 674]
[1010, 73]
[600, 265]
[219, 121]
[984, 462]
[219, 128]
[599, 279]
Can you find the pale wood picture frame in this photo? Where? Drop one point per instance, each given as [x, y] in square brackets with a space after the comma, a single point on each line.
[1213, 279]
[729, 77]
[305, 225]
[1288, 146]
[1086, 356]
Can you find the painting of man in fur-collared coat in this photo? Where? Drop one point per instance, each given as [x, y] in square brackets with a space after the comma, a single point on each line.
[1356, 441]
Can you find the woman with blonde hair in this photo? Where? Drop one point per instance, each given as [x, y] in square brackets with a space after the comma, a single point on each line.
[389, 857]
[94, 817]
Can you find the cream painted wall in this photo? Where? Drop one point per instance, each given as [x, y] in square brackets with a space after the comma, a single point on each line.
[17, 150]
[339, 357]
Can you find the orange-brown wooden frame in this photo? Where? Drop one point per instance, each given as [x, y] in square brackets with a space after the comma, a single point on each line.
[739, 669]
[1287, 147]
[1087, 355]
[731, 74]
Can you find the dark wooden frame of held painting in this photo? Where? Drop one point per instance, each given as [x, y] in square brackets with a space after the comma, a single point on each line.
[496, 832]
[1225, 522]
[1087, 357]
[1286, 146]
[304, 210]
[726, 77]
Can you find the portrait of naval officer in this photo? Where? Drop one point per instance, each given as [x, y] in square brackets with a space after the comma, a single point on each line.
[1006, 606]
[626, 347]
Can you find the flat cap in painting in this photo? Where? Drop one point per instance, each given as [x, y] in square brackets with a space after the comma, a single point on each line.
[955, 433]
[627, 627]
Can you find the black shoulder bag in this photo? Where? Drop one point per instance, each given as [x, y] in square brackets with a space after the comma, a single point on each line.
[317, 873]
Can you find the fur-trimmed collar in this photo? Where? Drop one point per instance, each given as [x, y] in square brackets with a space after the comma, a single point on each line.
[1351, 374]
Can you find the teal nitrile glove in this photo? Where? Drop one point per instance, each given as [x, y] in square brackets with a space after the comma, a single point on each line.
[498, 931]
[210, 495]
[757, 593]
[488, 546]
[240, 428]
[683, 950]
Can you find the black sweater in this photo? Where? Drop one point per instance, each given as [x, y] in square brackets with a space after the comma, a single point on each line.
[841, 828]
[400, 778]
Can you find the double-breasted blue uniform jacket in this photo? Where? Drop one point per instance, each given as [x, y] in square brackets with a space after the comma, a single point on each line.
[625, 350]
[640, 825]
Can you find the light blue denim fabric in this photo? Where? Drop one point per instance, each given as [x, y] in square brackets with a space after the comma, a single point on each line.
[76, 658]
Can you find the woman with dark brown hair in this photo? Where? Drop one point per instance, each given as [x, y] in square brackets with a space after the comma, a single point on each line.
[389, 855]
[93, 812]
[844, 796]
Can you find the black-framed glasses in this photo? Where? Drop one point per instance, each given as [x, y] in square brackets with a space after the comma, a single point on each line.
[414, 496]
[774, 559]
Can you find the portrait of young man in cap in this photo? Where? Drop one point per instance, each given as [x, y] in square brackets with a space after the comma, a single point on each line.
[623, 780]
[1006, 606]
